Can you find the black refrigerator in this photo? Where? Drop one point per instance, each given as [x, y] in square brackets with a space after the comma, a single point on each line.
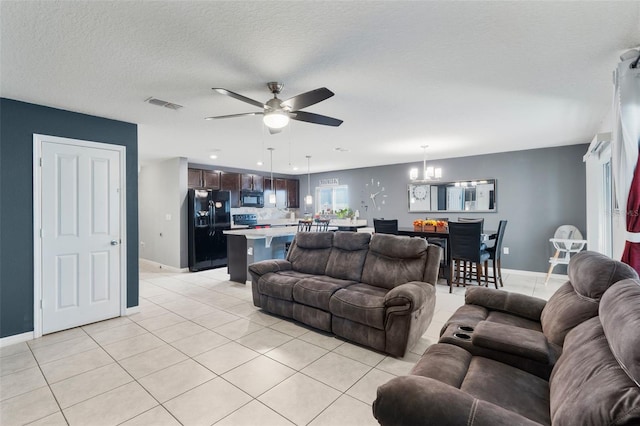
[209, 216]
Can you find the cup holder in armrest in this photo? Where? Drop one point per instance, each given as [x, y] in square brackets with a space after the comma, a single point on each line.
[466, 328]
[461, 336]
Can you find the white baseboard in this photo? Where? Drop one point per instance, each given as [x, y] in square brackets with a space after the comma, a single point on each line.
[16, 338]
[132, 310]
[157, 265]
[533, 274]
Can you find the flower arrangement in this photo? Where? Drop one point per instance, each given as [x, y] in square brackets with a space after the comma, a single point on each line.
[429, 225]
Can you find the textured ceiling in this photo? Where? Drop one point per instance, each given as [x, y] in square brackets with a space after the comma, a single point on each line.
[465, 78]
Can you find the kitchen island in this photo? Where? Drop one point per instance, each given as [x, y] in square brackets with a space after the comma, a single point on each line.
[246, 246]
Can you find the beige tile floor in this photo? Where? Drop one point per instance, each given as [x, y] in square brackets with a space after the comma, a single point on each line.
[199, 353]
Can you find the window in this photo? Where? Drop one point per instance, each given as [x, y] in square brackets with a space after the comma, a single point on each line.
[329, 199]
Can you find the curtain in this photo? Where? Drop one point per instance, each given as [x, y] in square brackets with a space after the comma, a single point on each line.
[626, 145]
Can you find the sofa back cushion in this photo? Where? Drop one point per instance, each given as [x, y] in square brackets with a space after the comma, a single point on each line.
[393, 260]
[590, 275]
[596, 379]
[309, 252]
[348, 255]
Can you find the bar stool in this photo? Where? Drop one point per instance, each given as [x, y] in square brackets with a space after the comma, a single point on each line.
[464, 238]
[495, 253]
[322, 225]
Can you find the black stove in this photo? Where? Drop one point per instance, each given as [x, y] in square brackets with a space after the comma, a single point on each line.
[250, 219]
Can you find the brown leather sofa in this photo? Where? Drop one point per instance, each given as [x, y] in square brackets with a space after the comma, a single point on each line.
[377, 290]
[528, 332]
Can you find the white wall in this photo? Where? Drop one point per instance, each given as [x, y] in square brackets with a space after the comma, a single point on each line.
[162, 212]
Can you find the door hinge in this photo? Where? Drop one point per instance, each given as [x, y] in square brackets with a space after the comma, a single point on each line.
[40, 161]
[40, 303]
[40, 232]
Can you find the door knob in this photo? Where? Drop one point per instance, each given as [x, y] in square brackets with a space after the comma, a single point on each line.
[114, 242]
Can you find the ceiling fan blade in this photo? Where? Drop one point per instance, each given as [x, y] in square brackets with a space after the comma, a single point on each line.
[310, 117]
[244, 114]
[306, 99]
[239, 97]
[274, 131]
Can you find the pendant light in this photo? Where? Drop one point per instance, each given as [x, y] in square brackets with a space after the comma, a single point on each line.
[272, 195]
[428, 173]
[308, 199]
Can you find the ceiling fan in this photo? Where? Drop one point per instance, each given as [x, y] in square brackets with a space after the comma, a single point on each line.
[277, 113]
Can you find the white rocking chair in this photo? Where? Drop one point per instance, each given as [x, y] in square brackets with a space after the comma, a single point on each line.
[566, 240]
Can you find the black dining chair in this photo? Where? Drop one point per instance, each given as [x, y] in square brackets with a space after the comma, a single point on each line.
[473, 219]
[322, 225]
[467, 248]
[388, 226]
[495, 253]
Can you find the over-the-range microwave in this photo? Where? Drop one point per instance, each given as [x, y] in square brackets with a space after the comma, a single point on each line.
[252, 198]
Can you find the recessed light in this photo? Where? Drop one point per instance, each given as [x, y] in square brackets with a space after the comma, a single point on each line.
[259, 163]
[295, 167]
[213, 156]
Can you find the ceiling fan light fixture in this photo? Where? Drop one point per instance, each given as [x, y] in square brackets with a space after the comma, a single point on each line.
[276, 119]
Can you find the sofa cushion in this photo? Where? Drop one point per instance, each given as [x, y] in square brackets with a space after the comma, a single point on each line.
[316, 291]
[509, 388]
[348, 255]
[394, 260]
[487, 380]
[277, 285]
[512, 320]
[588, 386]
[590, 275]
[310, 252]
[595, 381]
[513, 340]
[361, 303]
[620, 317]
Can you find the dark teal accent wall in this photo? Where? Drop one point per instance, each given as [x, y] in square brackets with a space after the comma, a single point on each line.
[18, 122]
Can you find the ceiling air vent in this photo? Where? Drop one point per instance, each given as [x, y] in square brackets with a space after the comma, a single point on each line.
[160, 102]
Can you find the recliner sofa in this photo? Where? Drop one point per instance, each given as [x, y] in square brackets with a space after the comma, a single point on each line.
[377, 290]
[529, 332]
[596, 380]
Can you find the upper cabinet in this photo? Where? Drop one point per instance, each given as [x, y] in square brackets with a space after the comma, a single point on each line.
[293, 193]
[252, 182]
[198, 178]
[231, 182]
[286, 190]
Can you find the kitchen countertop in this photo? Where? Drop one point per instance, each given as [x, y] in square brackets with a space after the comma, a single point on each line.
[256, 234]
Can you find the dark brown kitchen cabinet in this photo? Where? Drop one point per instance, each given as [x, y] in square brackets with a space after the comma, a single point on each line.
[286, 191]
[293, 193]
[198, 178]
[252, 182]
[281, 192]
[231, 182]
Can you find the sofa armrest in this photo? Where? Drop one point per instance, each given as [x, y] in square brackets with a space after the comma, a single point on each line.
[513, 340]
[517, 304]
[271, 265]
[417, 400]
[412, 293]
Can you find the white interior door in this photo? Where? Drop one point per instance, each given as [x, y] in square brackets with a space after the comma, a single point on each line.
[81, 234]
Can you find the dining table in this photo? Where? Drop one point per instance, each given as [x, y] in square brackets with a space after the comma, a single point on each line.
[411, 232]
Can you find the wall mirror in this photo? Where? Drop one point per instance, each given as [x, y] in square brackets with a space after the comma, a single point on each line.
[459, 196]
